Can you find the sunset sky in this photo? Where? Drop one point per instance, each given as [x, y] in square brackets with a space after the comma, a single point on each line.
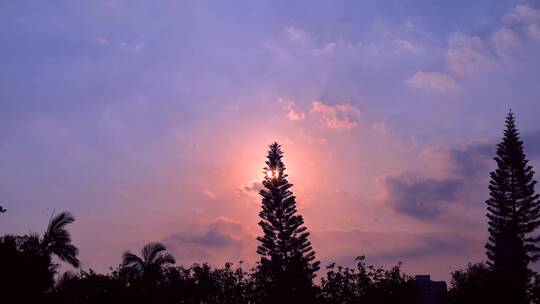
[151, 121]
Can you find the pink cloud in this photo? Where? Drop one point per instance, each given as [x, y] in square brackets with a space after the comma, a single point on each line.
[250, 190]
[528, 16]
[534, 31]
[523, 13]
[209, 194]
[466, 54]
[340, 116]
[379, 126]
[293, 115]
[433, 81]
[217, 241]
[505, 41]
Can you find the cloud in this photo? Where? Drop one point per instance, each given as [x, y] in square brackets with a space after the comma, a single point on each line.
[466, 55]
[425, 194]
[528, 16]
[406, 46]
[433, 81]
[132, 47]
[393, 246]
[534, 31]
[379, 126]
[463, 161]
[340, 116]
[419, 196]
[296, 34]
[211, 238]
[292, 114]
[432, 244]
[523, 13]
[102, 40]
[220, 232]
[253, 186]
[531, 143]
[212, 241]
[250, 190]
[421, 252]
[209, 194]
[472, 159]
[505, 41]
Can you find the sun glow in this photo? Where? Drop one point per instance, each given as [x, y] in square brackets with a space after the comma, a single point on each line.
[271, 173]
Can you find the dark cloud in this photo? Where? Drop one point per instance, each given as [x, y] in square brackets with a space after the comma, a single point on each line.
[250, 190]
[388, 248]
[211, 238]
[472, 159]
[532, 143]
[214, 241]
[420, 196]
[433, 244]
[219, 233]
[253, 186]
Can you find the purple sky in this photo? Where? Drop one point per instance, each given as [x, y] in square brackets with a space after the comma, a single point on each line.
[150, 122]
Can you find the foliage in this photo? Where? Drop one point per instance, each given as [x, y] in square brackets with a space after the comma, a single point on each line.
[514, 214]
[287, 266]
[472, 285]
[366, 284]
[26, 261]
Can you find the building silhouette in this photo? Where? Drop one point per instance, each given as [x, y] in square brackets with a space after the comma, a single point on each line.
[429, 292]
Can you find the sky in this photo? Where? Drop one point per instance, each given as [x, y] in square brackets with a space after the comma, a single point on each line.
[150, 121]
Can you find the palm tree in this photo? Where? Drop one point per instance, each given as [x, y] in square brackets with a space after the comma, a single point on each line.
[29, 273]
[150, 265]
[57, 240]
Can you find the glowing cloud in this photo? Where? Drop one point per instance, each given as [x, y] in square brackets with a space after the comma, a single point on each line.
[433, 81]
[466, 54]
[340, 116]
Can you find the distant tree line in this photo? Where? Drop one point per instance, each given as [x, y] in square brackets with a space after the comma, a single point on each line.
[287, 268]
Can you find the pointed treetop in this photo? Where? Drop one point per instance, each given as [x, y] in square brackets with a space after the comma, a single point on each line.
[511, 119]
[513, 217]
[274, 155]
[511, 133]
[274, 166]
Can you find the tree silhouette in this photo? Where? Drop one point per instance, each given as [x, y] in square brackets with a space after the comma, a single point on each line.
[27, 268]
[366, 284]
[513, 213]
[147, 270]
[287, 266]
[153, 258]
[472, 285]
[2, 210]
[57, 239]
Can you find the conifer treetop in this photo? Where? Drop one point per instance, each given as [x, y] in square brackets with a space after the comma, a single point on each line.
[287, 257]
[513, 215]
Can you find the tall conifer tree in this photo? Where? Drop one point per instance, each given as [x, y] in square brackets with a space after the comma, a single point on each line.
[514, 214]
[287, 265]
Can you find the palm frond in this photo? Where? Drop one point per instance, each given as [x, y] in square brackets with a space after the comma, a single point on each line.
[164, 259]
[57, 239]
[67, 253]
[55, 229]
[151, 250]
[131, 260]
